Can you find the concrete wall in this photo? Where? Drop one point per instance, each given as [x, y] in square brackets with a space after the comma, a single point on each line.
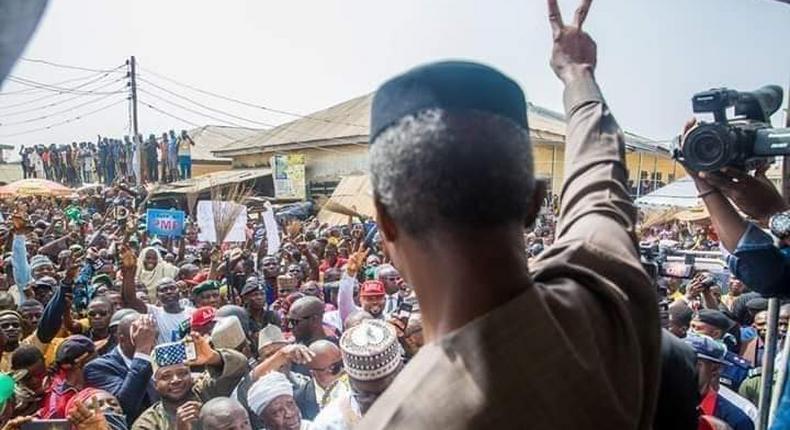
[10, 172]
[549, 162]
[329, 164]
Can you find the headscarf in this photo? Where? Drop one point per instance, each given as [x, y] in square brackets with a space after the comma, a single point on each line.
[267, 388]
[149, 278]
[115, 420]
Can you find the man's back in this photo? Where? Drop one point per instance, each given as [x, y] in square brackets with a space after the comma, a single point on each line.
[565, 354]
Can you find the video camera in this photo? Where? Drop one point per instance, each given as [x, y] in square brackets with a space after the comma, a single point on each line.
[655, 262]
[743, 141]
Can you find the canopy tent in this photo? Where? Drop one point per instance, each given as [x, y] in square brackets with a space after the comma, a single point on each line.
[35, 187]
[681, 193]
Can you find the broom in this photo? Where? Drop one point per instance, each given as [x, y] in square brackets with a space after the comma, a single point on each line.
[341, 209]
[226, 205]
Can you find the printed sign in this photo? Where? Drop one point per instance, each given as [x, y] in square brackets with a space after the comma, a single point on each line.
[288, 176]
[165, 223]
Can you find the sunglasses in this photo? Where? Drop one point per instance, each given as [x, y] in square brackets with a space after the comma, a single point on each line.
[8, 325]
[97, 313]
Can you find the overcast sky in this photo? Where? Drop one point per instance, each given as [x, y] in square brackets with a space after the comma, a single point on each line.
[302, 56]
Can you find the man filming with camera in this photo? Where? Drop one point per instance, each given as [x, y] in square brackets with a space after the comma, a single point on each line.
[718, 157]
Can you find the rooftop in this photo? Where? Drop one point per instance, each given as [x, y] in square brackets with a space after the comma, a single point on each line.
[349, 122]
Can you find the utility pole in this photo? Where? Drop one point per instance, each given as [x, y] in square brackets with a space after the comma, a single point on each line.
[133, 88]
[138, 153]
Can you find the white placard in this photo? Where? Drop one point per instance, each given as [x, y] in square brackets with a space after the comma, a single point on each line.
[205, 220]
[272, 233]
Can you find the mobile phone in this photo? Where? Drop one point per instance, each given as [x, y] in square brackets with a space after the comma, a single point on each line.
[183, 348]
[404, 312]
[47, 425]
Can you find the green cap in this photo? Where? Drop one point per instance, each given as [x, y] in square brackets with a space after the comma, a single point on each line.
[6, 389]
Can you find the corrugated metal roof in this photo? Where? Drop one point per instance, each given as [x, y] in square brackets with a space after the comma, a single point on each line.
[205, 182]
[210, 138]
[349, 122]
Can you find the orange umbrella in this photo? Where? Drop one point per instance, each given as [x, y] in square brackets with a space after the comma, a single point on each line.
[34, 187]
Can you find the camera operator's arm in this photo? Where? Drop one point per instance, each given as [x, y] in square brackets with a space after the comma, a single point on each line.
[754, 259]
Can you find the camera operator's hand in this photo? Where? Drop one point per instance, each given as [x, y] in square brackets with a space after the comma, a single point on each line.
[754, 195]
[574, 53]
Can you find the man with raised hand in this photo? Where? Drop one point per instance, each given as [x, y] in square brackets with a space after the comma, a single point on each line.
[571, 342]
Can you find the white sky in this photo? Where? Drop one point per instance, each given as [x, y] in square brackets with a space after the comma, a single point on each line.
[302, 55]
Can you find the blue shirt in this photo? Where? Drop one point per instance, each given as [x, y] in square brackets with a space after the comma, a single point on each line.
[732, 415]
[760, 264]
[172, 148]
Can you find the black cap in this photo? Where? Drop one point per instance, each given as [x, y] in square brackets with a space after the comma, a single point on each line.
[757, 304]
[714, 318]
[72, 348]
[449, 85]
[250, 286]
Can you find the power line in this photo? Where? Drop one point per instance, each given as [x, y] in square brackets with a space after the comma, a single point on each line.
[284, 129]
[66, 66]
[76, 118]
[31, 91]
[61, 90]
[36, 108]
[204, 106]
[265, 108]
[189, 109]
[43, 117]
[233, 139]
[86, 92]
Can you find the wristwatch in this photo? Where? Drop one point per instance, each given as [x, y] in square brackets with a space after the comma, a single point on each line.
[780, 224]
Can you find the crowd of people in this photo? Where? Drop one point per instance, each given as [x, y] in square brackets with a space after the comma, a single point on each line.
[471, 301]
[91, 307]
[166, 159]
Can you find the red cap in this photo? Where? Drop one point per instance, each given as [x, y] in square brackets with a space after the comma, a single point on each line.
[200, 277]
[372, 288]
[203, 316]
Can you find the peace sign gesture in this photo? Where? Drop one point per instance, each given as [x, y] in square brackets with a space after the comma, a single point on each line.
[356, 260]
[574, 53]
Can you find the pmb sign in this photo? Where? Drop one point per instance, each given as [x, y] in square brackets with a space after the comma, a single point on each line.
[165, 223]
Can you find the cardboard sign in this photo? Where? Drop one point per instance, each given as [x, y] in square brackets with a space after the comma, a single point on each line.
[165, 223]
[205, 221]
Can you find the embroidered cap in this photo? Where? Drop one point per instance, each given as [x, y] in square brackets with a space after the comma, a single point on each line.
[370, 350]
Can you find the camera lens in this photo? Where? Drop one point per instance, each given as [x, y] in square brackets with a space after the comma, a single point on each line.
[707, 147]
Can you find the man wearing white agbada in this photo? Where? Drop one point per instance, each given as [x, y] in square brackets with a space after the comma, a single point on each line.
[272, 399]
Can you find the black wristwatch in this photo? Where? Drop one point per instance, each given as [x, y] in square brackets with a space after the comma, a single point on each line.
[780, 224]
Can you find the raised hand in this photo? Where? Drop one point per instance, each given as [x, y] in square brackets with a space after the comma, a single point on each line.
[88, 418]
[297, 353]
[574, 53]
[128, 259]
[356, 260]
[187, 415]
[144, 332]
[205, 354]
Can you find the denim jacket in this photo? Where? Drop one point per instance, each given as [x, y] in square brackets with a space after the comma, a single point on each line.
[760, 264]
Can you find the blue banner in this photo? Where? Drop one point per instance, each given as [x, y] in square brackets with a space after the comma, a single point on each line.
[165, 223]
